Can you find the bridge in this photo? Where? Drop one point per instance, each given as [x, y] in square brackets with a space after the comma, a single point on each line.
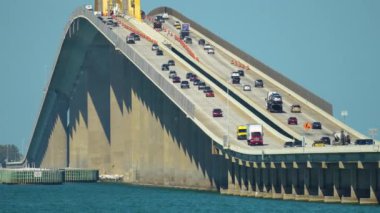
[110, 106]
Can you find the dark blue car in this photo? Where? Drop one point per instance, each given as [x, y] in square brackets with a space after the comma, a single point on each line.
[316, 125]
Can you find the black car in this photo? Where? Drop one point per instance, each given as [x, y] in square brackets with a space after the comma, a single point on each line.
[189, 75]
[185, 85]
[259, 83]
[115, 24]
[364, 142]
[297, 143]
[241, 73]
[196, 82]
[188, 40]
[288, 144]
[136, 37]
[100, 18]
[206, 88]
[201, 42]
[201, 85]
[130, 40]
[165, 67]
[159, 52]
[236, 80]
[326, 140]
[171, 63]
[316, 125]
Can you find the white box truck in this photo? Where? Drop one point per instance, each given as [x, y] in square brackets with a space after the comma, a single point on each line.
[255, 134]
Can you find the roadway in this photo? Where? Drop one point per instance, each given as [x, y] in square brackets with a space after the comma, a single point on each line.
[220, 64]
[232, 114]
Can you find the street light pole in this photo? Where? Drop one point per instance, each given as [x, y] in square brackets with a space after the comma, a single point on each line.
[344, 114]
[373, 132]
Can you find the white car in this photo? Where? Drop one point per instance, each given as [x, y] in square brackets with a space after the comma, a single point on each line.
[246, 87]
[235, 75]
[210, 51]
[207, 46]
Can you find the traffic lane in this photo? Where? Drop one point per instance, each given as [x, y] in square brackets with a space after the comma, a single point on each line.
[207, 104]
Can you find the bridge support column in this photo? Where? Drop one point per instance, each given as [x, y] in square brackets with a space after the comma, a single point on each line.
[243, 180]
[237, 178]
[334, 173]
[230, 179]
[250, 180]
[267, 189]
[257, 172]
[316, 182]
[353, 171]
[286, 182]
[275, 172]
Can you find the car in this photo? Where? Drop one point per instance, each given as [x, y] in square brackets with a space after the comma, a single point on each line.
[209, 93]
[297, 143]
[165, 67]
[165, 16]
[316, 125]
[241, 73]
[159, 52]
[188, 40]
[189, 75]
[159, 18]
[207, 46]
[292, 121]
[196, 82]
[217, 112]
[210, 51]
[318, 144]
[206, 88]
[235, 74]
[246, 87]
[259, 83]
[177, 25]
[137, 37]
[201, 86]
[193, 77]
[275, 97]
[185, 85]
[171, 63]
[364, 142]
[176, 79]
[155, 47]
[236, 80]
[295, 108]
[172, 74]
[130, 40]
[100, 18]
[201, 42]
[326, 140]
[288, 144]
[115, 24]
[109, 22]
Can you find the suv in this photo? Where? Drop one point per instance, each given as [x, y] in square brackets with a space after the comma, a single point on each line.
[130, 40]
[189, 75]
[201, 42]
[188, 40]
[159, 52]
[259, 83]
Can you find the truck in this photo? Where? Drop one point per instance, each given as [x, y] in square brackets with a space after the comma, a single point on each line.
[241, 132]
[274, 102]
[255, 134]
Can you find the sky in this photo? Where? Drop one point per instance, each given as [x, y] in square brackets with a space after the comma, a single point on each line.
[330, 47]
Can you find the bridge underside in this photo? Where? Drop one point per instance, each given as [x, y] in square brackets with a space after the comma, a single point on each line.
[110, 116]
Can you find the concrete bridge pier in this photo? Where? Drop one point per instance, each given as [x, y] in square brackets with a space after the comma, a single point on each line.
[251, 180]
[351, 194]
[275, 172]
[267, 185]
[333, 174]
[286, 182]
[259, 185]
[243, 179]
[316, 181]
[237, 177]
[372, 171]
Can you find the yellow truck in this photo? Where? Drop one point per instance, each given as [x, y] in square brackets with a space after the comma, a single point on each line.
[241, 132]
[177, 25]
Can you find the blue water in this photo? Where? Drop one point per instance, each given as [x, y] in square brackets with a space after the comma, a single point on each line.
[106, 197]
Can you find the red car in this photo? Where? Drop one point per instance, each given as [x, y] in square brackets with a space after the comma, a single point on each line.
[217, 113]
[292, 121]
[176, 79]
[209, 93]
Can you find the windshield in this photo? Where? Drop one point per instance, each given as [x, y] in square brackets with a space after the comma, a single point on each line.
[256, 134]
[242, 130]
